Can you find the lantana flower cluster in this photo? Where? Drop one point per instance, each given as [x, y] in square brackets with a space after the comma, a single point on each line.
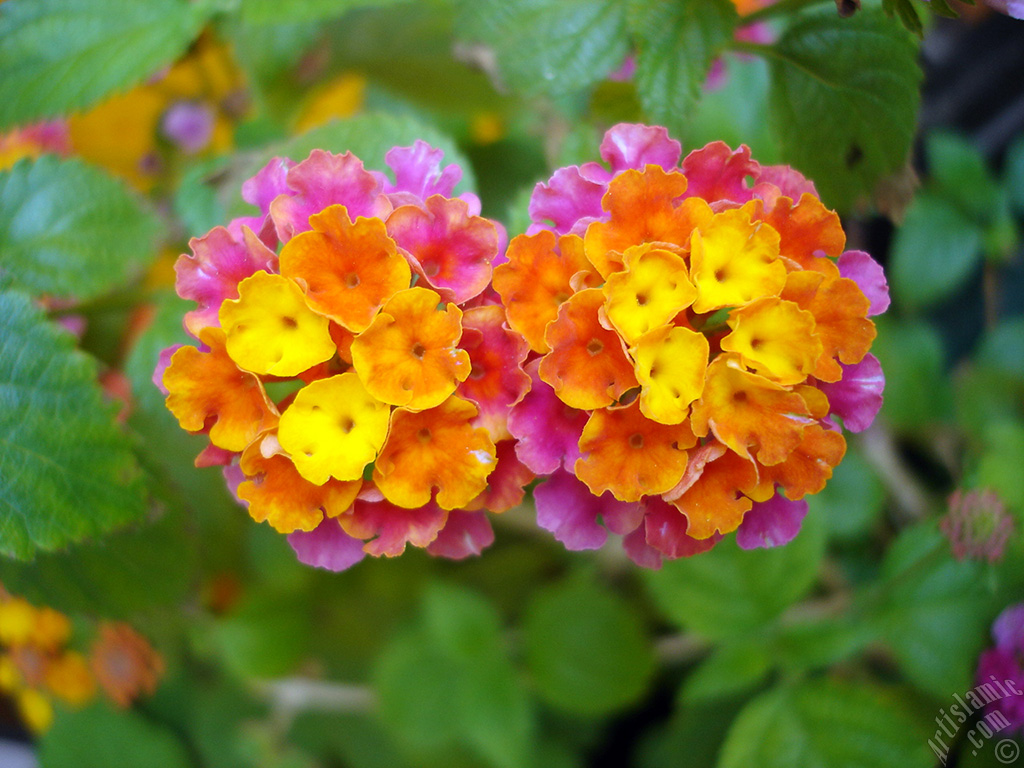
[671, 345]
[352, 373]
[38, 663]
[1003, 664]
[695, 329]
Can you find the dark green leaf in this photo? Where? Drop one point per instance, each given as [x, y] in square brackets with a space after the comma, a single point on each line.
[587, 653]
[553, 47]
[1002, 348]
[69, 230]
[822, 723]
[691, 738]
[289, 11]
[58, 56]
[676, 43]
[907, 14]
[844, 100]
[126, 573]
[728, 592]
[99, 737]
[917, 390]
[66, 471]
[933, 610]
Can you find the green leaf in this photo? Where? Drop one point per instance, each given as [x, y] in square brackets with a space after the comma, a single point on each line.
[933, 610]
[58, 56]
[907, 14]
[99, 737]
[691, 738]
[552, 47]
[1003, 456]
[70, 230]
[729, 592]
[852, 499]
[917, 389]
[491, 706]
[457, 648]
[126, 573]
[732, 668]
[585, 648]
[291, 11]
[1014, 173]
[844, 100]
[1002, 348]
[66, 471]
[822, 723]
[676, 43]
[959, 174]
[266, 635]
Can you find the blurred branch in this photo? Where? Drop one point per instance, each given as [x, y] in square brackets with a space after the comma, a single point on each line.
[290, 696]
[880, 450]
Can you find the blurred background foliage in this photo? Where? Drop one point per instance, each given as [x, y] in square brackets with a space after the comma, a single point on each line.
[839, 649]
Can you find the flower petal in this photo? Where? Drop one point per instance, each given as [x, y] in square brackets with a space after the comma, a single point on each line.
[771, 523]
[348, 269]
[327, 546]
[409, 355]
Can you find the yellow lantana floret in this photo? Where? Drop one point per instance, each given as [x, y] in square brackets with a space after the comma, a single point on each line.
[670, 363]
[775, 338]
[652, 290]
[334, 428]
[270, 329]
[734, 260]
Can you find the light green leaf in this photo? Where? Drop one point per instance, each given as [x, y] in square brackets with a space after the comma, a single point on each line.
[958, 172]
[917, 389]
[99, 737]
[933, 611]
[852, 499]
[69, 230]
[58, 56]
[732, 668]
[290, 11]
[552, 47]
[458, 649]
[935, 251]
[585, 648]
[1001, 461]
[676, 43]
[729, 592]
[66, 471]
[844, 100]
[822, 723]
[266, 635]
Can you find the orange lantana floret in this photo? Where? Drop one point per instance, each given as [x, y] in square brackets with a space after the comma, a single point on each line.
[631, 456]
[586, 367]
[436, 449]
[349, 269]
[279, 495]
[537, 279]
[209, 389]
[409, 355]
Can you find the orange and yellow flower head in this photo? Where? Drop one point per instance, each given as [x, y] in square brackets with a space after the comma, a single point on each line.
[352, 373]
[697, 335]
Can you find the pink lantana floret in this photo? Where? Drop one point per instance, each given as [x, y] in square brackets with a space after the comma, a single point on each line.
[327, 546]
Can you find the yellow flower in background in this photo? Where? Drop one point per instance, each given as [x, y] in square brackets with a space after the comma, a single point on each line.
[189, 108]
[341, 97]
